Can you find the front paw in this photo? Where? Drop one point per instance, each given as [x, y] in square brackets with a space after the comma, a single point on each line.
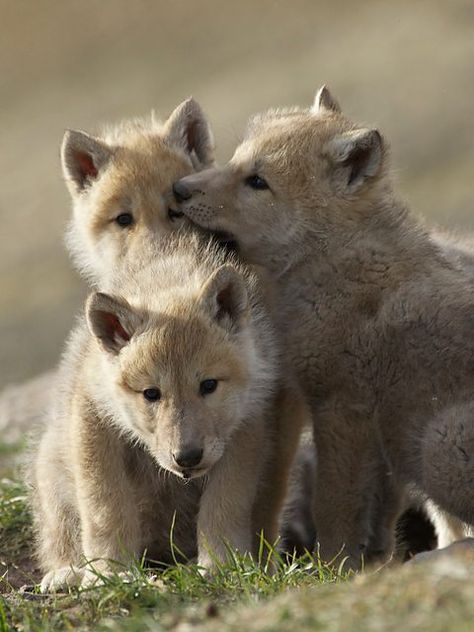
[101, 572]
[211, 560]
[61, 579]
[96, 574]
[206, 564]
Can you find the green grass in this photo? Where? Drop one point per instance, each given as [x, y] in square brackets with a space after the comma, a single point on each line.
[141, 599]
[15, 521]
[302, 595]
[144, 597]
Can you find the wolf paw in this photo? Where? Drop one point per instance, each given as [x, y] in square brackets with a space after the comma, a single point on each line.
[92, 578]
[101, 572]
[61, 579]
[206, 565]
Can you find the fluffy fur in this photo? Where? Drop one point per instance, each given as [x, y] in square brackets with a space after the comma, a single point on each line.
[107, 481]
[377, 317]
[97, 458]
[129, 169]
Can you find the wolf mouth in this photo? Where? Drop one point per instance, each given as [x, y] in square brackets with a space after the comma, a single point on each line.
[174, 214]
[192, 473]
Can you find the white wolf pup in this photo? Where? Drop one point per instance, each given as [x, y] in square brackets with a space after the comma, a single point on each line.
[378, 320]
[172, 372]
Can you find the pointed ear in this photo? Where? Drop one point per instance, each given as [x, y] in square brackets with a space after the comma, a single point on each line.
[325, 101]
[360, 152]
[111, 320]
[188, 129]
[82, 158]
[225, 296]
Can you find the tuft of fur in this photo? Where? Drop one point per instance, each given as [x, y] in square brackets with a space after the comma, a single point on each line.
[376, 314]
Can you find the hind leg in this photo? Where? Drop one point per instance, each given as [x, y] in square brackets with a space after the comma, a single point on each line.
[447, 460]
[448, 528]
[297, 524]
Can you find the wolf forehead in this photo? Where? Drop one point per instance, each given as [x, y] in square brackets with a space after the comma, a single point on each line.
[180, 345]
[288, 126]
[148, 160]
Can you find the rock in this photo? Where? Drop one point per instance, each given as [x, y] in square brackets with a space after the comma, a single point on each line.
[23, 405]
[460, 549]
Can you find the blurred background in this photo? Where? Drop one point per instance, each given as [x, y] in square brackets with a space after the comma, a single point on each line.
[407, 67]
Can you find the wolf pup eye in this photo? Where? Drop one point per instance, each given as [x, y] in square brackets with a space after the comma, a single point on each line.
[256, 182]
[207, 387]
[152, 394]
[124, 220]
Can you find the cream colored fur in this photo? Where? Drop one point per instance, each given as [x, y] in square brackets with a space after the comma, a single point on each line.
[131, 171]
[106, 479]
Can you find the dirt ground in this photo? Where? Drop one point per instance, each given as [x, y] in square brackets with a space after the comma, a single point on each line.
[405, 66]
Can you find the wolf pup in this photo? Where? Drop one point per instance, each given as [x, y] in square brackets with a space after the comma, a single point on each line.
[120, 184]
[377, 319]
[161, 418]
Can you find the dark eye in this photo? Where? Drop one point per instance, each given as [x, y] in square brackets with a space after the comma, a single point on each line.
[152, 394]
[256, 182]
[207, 387]
[124, 219]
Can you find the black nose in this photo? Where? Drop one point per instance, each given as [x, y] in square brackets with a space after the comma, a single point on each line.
[181, 192]
[188, 458]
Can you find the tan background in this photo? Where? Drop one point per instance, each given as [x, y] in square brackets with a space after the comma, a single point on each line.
[405, 66]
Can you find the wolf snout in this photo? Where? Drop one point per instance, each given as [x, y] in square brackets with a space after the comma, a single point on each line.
[181, 191]
[188, 457]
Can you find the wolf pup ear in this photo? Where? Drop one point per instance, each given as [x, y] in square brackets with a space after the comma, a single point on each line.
[359, 153]
[112, 321]
[226, 297]
[82, 158]
[325, 101]
[188, 129]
